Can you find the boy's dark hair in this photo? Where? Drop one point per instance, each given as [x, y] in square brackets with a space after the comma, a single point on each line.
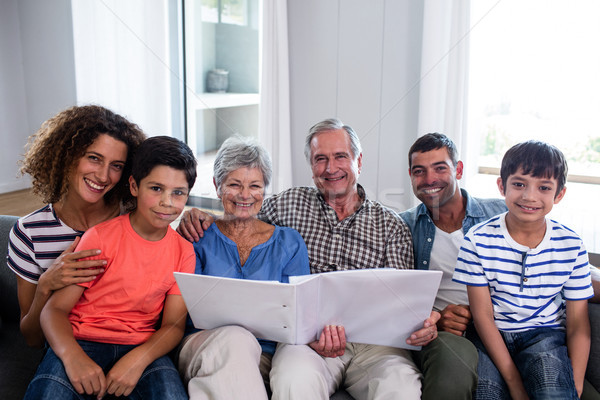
[535, 158]
[164, 150]
[433, 141]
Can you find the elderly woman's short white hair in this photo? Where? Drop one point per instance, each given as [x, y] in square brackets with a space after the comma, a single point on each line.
[241, 152]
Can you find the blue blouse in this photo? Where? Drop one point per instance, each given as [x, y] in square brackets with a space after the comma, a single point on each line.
[280, 257]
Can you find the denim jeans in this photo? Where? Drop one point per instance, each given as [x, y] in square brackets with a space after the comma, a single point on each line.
[541, 358]
[160, 379]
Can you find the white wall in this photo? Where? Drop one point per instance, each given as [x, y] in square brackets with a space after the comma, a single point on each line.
[36, 75]
[359, 61]
[140, 77]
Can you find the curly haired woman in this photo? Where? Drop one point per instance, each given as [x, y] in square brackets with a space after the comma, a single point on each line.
[79, 162]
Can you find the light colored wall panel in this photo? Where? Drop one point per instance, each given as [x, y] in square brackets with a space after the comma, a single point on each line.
[37, 78]
[48, 58]
[368, 77]
[14, 128]
[360, 79]
[400, 100]
[313, 41]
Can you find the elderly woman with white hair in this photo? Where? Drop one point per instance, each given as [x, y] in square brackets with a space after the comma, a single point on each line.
[229, 362]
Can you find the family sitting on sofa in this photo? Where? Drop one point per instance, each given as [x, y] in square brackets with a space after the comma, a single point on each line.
[107, 303]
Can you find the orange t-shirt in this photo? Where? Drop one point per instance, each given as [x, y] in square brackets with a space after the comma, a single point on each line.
[123, 304]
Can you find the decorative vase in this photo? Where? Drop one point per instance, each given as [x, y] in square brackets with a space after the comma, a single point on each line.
[217, 80]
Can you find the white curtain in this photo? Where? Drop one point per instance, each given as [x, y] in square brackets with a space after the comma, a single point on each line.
[274, 115]
[123, 60]
[444, 72]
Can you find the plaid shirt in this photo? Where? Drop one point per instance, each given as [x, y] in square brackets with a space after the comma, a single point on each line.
[373, 237]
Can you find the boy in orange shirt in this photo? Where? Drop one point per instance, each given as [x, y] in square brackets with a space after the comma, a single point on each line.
[111, 335]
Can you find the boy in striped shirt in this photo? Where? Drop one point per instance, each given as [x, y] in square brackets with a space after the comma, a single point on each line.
[528, 283]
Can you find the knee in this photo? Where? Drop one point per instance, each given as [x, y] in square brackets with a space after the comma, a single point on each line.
[294, 365]
[549, 373]
[488, 389]
[450, 358]
[237, 339]
[50, 387]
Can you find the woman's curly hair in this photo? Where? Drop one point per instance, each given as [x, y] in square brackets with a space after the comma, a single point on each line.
[55, 149]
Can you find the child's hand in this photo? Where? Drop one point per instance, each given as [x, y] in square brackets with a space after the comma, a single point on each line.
[124, 375]
[85, 375]
[517, 392]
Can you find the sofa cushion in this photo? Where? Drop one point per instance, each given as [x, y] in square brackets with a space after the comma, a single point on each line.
[18, 362]
[593, 371]
[9, 311]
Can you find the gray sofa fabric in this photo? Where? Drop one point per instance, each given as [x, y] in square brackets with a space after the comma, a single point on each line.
[18, 362]
[593, 370]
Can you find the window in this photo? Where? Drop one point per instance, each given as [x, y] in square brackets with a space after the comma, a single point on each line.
[221, 78]
[225, 11]
[534, 75]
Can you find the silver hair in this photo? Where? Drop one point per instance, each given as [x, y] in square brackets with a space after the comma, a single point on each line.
[332, 124]
[241, 152]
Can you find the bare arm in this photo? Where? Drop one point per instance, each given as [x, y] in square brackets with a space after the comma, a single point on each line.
[193, 224]
[85, 375]
[578, 340]
[483, 317]
[65, 270]
[595, 284]
[125, 374]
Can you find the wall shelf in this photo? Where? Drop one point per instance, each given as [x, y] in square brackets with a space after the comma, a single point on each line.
[207, 101]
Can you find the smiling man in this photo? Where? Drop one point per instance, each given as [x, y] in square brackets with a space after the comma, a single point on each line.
[449, 364]
[343, 230]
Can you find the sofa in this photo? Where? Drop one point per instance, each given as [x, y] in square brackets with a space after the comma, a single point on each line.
[18, 362]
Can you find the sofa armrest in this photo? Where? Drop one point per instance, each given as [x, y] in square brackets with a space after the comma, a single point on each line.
[9, 304]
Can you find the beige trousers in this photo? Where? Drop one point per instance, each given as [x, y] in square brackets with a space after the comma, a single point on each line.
[223, 364]
[367, 372]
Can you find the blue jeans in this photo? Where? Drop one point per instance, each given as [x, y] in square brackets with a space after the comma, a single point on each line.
[541, 358]
[160, 380]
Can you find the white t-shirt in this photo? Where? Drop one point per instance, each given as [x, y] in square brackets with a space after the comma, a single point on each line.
[443, 258]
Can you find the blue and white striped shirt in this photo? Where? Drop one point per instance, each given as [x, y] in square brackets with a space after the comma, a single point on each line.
[528, 287]
[36, 241]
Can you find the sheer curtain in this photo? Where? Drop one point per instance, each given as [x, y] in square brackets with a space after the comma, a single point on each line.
[444, 73]
[274, 110]
[123, 60]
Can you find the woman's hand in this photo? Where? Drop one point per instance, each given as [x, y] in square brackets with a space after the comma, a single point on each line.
[67, 269]
[331, 343]
[193, 224]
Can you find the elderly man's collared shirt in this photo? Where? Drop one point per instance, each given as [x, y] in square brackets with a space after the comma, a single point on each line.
[373, 237]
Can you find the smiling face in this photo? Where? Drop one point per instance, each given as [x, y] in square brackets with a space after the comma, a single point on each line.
[99, 170]
[161, 197]
[242, 193]
[434, 177]
[529, 199]
[335, 169]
